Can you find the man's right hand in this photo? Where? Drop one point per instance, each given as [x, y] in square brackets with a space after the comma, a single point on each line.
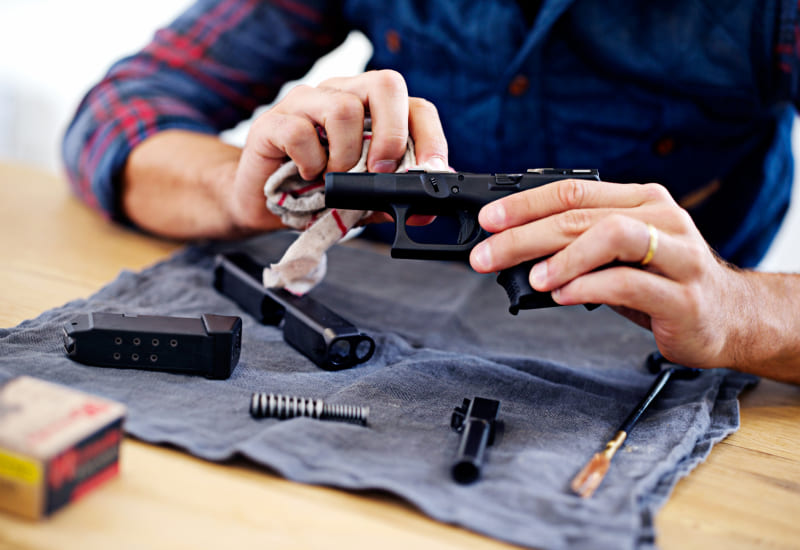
[186, 185]
[339, 106]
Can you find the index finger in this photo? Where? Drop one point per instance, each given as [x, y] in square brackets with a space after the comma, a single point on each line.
[559, 196]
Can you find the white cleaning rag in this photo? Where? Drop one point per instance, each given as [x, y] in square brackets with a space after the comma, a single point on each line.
[301, 205]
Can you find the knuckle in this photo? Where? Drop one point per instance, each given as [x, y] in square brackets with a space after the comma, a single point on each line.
[623, 289]
[346, 107]
[673, 218]
[574, 222]
[656, 295]
[571, 193]
[261, 124]
[294, 132]
[423, 106]
[655, 192]
[333, 82]
[513, 241]
[390, 81]
[693, 260]
[267, 119]
[692, 300]
[298, 91]
[626, 281]
[685, 220]
[267, 127]
[391, 144]
[397, 141]
[617, 229]
[696, 251]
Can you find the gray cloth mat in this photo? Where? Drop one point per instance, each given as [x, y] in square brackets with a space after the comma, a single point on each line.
[566, 378]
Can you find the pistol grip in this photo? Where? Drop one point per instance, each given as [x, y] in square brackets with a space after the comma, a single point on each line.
[521, 294]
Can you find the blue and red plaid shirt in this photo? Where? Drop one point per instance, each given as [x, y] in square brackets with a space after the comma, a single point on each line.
[698, 95]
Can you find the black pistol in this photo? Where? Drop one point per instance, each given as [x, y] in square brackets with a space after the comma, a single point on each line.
[457, 195]
[477, 423]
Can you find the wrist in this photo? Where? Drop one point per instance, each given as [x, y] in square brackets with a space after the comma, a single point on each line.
[218, 180]
[763, 337]
[739, 319]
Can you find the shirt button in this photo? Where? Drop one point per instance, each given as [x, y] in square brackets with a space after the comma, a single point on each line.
[664, 146]
[392, 38]
[519, 85]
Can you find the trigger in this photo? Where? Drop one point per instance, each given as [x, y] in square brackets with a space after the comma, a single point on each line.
[467, 226]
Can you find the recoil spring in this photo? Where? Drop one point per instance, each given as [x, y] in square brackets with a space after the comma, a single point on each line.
[270, 405]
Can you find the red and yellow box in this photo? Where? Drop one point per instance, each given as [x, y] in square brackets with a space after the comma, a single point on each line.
[56, 444]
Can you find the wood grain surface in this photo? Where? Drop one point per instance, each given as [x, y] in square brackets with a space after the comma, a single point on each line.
[54, 249]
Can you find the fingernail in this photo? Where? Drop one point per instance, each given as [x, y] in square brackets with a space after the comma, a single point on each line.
[385, 166]
[495, 214]
[538, 274]
[482, 257]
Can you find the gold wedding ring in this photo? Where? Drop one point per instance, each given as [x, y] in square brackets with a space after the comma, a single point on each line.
[651, 246]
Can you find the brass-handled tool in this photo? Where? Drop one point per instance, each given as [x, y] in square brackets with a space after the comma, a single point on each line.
[591, 476]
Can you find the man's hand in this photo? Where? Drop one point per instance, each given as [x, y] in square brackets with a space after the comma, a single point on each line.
[702, 312]
[186, 185]
[339, 106]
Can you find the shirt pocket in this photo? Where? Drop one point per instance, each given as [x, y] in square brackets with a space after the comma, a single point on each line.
[436, 65]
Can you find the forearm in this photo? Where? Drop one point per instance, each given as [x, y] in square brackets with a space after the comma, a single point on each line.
[765, 339]
[183, 80]
[179, 184]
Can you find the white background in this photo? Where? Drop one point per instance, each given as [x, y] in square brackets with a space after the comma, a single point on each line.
[52, 51]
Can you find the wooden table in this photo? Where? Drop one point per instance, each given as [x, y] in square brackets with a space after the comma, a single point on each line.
[54, 249]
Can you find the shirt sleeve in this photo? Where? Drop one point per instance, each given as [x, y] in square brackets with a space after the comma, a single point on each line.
[205, 72]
